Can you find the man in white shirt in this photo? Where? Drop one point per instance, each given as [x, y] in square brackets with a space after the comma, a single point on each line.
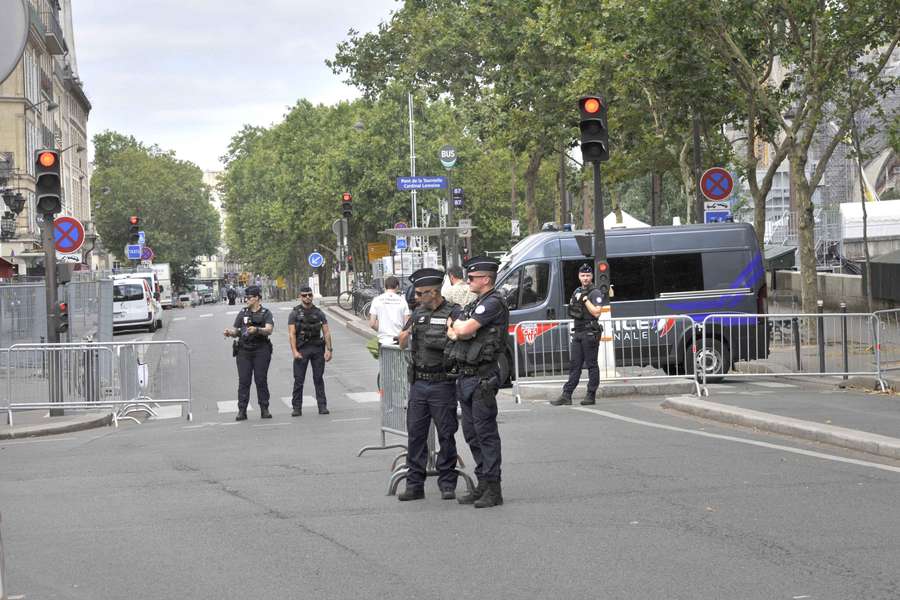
[388, 312]
[458, 292]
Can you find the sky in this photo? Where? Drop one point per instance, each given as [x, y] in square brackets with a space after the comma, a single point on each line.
[188, 74]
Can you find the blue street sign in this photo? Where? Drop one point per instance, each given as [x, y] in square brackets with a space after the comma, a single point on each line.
[142, 238]
[316, 260]
[717, 216]
[421, 183]
[133, 252]
[400, 244]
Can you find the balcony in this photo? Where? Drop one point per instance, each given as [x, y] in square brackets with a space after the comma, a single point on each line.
[53, 35]
[46, 84]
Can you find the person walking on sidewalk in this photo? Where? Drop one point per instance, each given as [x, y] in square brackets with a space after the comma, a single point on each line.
[310, 340]
[388, 312]
[253, 351]
[585, 307]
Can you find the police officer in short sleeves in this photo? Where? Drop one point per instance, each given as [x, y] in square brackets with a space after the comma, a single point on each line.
[432, 394]
[253, 326]
[480, 355]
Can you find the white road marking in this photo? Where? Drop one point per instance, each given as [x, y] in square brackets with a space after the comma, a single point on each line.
[285, 308]
[365, 397]
[179, 318]
[21, 442]
[509, 410]
[270, 425]
[232, 312]
[728, 438]
[206, 315]
[307, 400]
[771, 384]
[348, 420]
[230, 406]
[167, 412]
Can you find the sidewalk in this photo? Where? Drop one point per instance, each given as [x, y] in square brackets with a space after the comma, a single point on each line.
[355, 324]
[33, 423]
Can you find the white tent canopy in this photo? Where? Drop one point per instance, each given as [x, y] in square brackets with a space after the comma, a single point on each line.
[883, 219]
[628, 222]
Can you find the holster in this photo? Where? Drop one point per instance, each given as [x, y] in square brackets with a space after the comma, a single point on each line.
[235, 347]
[486, 393]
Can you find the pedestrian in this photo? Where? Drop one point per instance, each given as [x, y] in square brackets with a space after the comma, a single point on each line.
[481, 363]
[458, 291]
[388, 312]
[432, 394]
[310, 340]
[253, 350]
[231, 294]
[584, 308]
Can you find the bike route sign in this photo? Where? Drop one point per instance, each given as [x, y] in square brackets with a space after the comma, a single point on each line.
[421, 183]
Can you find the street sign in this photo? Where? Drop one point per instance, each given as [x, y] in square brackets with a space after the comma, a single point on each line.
[316, 260]
[718, 205]
[400, 225]
[147, 253]
[514, 225]
[448, 156]
[68, 234]
[459, 197]
[465, 228]
[142, 238]
[716, 183]
[378, 250]
[75, 257]
[717, 216]
[400, 244]
[405, 184]
[133, 252]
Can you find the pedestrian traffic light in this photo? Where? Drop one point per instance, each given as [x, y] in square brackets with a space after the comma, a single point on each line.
[62, 325]
[594, 131]
[48, 185]
[603, 276]
[347, 205]
[134, 236]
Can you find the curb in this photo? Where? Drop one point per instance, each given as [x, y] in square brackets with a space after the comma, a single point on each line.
[610, 390]
[853, 439]
[864, 381]
[88, 422]
[349, 321]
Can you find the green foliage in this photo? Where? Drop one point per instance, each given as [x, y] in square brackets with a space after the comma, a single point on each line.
[167, 194]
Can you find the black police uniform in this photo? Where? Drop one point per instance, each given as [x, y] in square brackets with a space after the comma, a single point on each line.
[231, 295]
[432, 395]
[585, 342]
[253, 357]
[482, 365]
[308, 324]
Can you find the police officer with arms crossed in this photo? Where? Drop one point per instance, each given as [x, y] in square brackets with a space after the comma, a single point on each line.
[432, 395]
[479, 354]
[584, 307]
[310, 340]
[253, 326]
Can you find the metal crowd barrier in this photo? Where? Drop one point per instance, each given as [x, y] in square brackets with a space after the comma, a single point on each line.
[124, 377]
[889, 339]
[820, 344]
[642, 348]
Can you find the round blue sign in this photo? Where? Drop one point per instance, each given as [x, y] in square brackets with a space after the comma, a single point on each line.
[316, 260]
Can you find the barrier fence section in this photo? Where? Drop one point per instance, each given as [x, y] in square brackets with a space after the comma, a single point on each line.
[641, 348]
[125, 377]
[889, 339]
[821, 344]
[23, 313]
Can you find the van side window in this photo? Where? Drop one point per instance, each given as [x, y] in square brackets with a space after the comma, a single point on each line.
[526, 286]
[631, 278]
[127, 292]
[677, 273]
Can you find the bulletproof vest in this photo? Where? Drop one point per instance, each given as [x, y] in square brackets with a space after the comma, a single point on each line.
[256, 319]
[429, 337]
[308, 325]
[583, 318]
[487, 345]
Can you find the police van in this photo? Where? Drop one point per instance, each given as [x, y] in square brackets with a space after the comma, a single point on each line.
[693, 270]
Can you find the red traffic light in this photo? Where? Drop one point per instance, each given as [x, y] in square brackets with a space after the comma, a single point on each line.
[133, 220]
[602, 267]
[591, 105]
[346, 197]
[47, 159]
[63, 307]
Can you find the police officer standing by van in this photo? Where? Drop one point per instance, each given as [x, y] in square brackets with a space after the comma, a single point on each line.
[310, 340]
[585, 307]
[481, 363]
[253, 350]
[432, 394]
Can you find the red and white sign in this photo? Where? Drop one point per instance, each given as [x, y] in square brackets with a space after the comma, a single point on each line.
[716, 183]
[526, 334]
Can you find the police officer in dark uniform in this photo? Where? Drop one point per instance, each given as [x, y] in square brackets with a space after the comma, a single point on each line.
[253, 326]
[310, 340]
[584, 307]
[432, 395]
[480, 356]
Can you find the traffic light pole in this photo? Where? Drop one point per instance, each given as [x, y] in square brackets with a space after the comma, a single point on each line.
[599, 229]
[54, 368]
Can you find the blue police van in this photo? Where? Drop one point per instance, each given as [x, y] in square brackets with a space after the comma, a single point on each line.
[693, 270]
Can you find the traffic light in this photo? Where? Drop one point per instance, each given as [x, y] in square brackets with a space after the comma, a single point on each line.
[48, 186]
[134, 225]
[594, 131]
[603, 276]
[62, 325]
[347, 205]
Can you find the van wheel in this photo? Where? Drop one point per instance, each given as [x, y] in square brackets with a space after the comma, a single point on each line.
[714, 359]
[152, 327]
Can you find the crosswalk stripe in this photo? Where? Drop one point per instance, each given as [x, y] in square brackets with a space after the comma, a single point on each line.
[365, 397]
[179, 318]
[232, 312]
[307, 401]
[771, 384]
[206, 315]
[285, 308]
[168, 412]
[230, 406]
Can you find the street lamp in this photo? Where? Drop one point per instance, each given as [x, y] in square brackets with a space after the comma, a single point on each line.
[51, 105]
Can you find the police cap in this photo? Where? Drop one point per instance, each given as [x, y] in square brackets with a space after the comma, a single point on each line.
[481, 264]
[252, 290]
[427, 277]
[585, 268]
[305, 289]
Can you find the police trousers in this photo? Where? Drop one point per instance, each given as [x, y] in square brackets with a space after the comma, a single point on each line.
[314, 354]
[479, 423]
[254, 364]
[583, 354]
[431, 401]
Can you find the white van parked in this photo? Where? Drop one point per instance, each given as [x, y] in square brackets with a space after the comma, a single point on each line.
[134, 305]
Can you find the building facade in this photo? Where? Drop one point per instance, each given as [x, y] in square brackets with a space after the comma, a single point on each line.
[217, 270]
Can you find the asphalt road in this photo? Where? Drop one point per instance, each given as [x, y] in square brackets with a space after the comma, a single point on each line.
[624, 500]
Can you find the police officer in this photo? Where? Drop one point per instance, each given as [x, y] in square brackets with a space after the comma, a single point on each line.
[231, 294]
[310, 340]
[584, 307]
[479, 353]
[253, 326]
[432, 396]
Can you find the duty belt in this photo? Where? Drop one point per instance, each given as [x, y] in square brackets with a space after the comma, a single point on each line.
[425, 376]
[469, 371]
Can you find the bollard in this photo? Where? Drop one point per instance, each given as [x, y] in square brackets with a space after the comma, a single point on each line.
[2, 567]
[844, 339]
[820, 334]
[795, 330]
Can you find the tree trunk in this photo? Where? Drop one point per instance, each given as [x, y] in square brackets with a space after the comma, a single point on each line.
[809, 292]
[587, 205]
[687, 182]
[562, 211]
[655, 198]
[865, 216]
[698, 169]
[513, 192]
[531, 175]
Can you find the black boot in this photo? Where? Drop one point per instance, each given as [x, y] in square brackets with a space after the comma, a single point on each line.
[591, 398]
[564, 398]
[411, 494]
[324, 411]
[264, 413]
[492, 496]
[296, 412]
[474, 495]
[241, 416]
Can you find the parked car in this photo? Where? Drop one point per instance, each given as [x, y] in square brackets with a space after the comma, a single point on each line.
[205, 294]
[185, 300]
[134, 305]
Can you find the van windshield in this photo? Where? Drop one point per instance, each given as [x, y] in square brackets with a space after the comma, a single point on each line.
[125, 292]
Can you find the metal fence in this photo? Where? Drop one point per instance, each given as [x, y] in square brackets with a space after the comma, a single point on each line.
[90, 309]
[819, 344]
[23, 313]
[889, 339]
[640, 348]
